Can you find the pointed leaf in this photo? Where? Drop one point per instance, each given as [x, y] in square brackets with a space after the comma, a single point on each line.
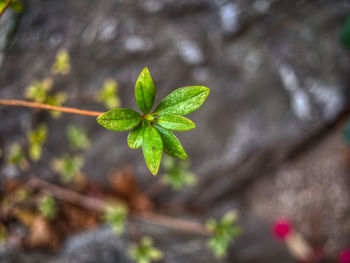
[175, 122]
[171, 144]
[182, 101]
[145, 91]
[135, 137]
[119, 119]
[152, 147]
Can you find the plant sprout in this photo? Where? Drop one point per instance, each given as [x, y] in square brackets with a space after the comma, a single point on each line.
[16, 156]
[47, 207]
[224, 232]
[145, 252]
[37, 91]
[115, 216]
[108, 94]
[68, 167]
[56, 100]
[78, 139]
[36, 139]
[62, 63]
[177, 174]
[152, 131]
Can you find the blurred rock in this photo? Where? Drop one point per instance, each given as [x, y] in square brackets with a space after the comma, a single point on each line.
[100, 245]
[229, 17]
[312, 191]
[278, 78]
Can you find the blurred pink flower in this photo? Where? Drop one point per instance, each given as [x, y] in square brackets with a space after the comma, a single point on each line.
[282, 227]
[345, 256]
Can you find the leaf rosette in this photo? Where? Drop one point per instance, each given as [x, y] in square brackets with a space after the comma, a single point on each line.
[153, 130]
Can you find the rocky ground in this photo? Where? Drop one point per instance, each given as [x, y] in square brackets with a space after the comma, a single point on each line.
[268, 140]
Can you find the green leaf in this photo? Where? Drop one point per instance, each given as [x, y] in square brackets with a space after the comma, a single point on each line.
[171, 144]
[145, 91]
[14, 5]
[175, 122]
[152, 147]
[182, 101]
[135, 137]
[119, 119]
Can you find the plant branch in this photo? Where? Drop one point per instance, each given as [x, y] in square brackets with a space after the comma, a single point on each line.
[68, 195]
[99, 206]
[8, 2]
[171, 222]
[35, 105]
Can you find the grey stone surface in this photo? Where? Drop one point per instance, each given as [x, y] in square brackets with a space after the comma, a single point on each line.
[278, 78]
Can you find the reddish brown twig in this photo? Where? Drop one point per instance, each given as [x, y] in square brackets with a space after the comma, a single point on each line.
[68, 195]
[7, 4]
[171, 222]
[99, 206]
[35, 105]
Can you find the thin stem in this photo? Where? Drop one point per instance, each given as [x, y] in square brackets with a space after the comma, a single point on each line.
[35, 105]
[68, 195]
[8, 2]
[172, 222]
[100, 205]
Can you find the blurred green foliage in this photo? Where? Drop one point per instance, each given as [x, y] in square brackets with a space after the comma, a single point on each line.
[77, 137]
[56, 100]
[61, 64]
[108, 94]
[37, 91]
[345, 33]
[177, 174]
[15, 5]
[224, 231]
[37, 138]
[68, 166]
[145, 252]
[47, 207]
[16, 156]
[115, 216]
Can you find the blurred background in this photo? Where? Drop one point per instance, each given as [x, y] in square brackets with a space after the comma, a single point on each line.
[269, 141]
